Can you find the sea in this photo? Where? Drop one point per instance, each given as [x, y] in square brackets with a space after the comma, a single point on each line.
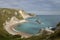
[35, 24]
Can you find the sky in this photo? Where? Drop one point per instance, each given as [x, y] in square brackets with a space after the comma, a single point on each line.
[39, 7]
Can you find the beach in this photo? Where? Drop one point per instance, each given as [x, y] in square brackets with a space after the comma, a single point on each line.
[9, 27]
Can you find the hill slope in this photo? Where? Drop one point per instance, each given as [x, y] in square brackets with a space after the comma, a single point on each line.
[5, 15]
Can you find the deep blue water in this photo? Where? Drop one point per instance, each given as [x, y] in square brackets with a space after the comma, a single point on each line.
[37, 23]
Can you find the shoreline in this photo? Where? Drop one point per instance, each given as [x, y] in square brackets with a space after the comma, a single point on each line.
[9, 27]
[23, 34]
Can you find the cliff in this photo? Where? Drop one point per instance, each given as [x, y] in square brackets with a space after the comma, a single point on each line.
[5, 15]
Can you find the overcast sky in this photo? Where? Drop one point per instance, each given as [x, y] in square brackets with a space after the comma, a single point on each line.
[40, 7]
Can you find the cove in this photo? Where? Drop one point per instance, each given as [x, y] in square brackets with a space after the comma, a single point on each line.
[33, 26]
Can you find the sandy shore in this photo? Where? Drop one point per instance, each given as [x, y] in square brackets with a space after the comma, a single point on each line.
[9, 27]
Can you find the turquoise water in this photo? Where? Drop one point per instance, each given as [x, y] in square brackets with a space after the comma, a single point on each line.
[37, 23]
[29, 27]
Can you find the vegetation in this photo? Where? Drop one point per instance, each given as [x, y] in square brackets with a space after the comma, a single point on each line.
[56, 35]
[6, 14]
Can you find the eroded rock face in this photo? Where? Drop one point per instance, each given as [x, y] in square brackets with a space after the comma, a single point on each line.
[5, 16]
[9, 17]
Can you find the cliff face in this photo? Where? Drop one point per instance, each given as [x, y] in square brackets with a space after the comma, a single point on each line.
[5, 15]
